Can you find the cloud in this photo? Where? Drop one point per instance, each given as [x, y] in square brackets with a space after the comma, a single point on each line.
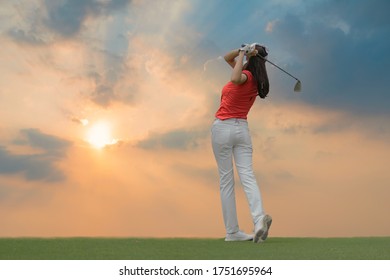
[46, 21]
[25, 37]
[67, 17]
[107, 64]
[81, 121]
[109, 75]
[333, 126]
[39, 165]
[109, 47]
[36, 139]
[341, 57]
[179, 139]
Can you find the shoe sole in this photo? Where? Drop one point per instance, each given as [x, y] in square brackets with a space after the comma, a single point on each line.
[268, 222]
[238, 240]
[262, 234]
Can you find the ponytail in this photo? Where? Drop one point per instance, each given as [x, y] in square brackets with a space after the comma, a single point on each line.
[256, 65]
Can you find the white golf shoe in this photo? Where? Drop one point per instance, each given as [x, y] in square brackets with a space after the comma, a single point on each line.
[262, 228]
[238, 236]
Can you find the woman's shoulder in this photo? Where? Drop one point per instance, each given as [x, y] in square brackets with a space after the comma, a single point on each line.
[248, 74]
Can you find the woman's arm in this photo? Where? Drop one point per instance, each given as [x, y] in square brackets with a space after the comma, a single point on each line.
[230, 57]
[237, 76]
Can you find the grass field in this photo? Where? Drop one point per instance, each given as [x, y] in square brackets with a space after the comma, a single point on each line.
[374, 248]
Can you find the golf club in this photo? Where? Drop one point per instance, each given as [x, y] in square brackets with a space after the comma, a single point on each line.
[249, 48]
[298, 85]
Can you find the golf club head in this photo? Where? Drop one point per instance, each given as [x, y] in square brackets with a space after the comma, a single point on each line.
[298, 86]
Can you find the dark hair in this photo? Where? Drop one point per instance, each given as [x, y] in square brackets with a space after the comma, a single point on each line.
[256, 65]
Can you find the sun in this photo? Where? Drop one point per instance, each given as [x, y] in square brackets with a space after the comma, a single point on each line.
[99, 135]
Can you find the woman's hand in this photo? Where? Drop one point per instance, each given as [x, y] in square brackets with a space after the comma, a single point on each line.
[246, 48]
[252, 53]
[231, 56]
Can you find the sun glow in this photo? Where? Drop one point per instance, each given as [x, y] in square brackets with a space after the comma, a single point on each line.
[99, 135]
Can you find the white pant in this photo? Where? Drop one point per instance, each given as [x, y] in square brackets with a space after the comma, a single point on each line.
[231, 138]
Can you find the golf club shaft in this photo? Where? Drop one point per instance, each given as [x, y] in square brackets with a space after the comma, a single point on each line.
[280, 68]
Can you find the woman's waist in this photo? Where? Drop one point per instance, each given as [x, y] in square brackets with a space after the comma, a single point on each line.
[231, 121]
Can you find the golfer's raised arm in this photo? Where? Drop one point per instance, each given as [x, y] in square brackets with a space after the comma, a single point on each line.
[230, 57]
[237, 76]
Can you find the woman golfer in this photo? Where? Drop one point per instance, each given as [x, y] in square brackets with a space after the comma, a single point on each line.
[231, 139]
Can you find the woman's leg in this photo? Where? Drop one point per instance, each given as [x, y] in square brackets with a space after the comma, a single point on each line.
[243, 158]
[223, 152]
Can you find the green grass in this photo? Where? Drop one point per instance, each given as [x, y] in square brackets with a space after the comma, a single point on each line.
[373, 248]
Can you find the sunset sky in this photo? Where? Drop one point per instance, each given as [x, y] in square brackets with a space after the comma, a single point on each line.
[106, 108]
